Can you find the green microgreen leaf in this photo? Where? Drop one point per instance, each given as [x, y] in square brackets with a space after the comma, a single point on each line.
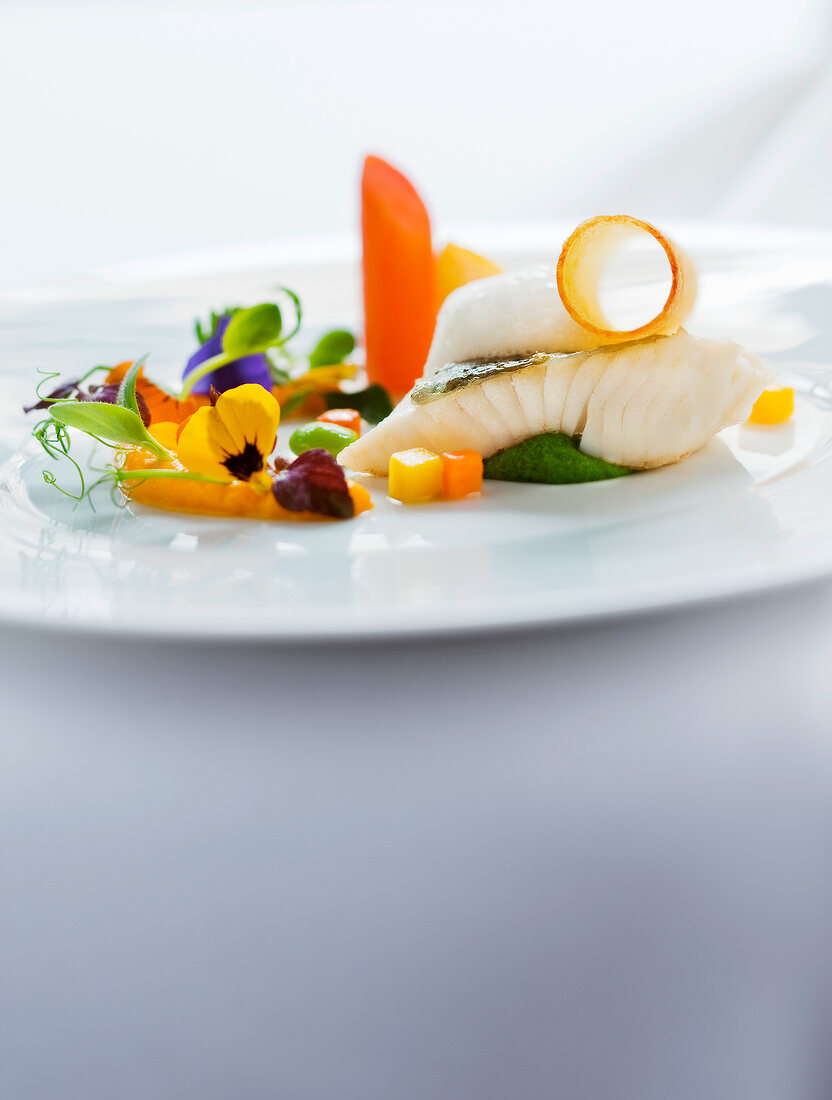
[332, 348]
[206, 367]
[127, 389]
[204, 333]
[112, 424]
[295, 300]
[252, 330]
[373, 404]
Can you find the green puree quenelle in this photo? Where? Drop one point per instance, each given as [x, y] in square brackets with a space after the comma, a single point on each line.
[553, 459]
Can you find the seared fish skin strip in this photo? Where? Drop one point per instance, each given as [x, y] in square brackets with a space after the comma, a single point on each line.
[641, 405]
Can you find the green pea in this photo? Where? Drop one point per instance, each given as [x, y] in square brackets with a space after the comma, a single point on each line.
[331, 437]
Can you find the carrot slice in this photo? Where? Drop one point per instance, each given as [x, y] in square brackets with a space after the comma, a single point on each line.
[399, 277]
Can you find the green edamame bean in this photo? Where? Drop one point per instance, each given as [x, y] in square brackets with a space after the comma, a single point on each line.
[331, 437]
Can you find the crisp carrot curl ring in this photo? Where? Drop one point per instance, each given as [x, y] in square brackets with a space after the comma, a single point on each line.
[582, 261]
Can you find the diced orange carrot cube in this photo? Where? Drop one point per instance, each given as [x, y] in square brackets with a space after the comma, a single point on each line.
[773, 407]
[461, 473]
[346, 418]
[415, 476]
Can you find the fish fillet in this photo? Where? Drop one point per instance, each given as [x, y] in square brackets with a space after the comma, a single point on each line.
[644, 404]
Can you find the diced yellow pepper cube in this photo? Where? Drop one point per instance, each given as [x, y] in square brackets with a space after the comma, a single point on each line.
[415, 476]
[773, 407]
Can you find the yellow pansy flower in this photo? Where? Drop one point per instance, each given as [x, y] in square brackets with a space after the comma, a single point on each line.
[233, 438]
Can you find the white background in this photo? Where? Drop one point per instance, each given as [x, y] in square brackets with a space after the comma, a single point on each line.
[131, 130]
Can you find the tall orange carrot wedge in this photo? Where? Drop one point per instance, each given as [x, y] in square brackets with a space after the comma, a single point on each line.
[399, 277]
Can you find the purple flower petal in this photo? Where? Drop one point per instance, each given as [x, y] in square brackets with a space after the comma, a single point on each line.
[250, 368]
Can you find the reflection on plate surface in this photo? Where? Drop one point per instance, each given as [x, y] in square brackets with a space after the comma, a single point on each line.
[751, 510]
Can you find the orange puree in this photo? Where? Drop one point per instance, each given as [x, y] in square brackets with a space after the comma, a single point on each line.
[236, 499]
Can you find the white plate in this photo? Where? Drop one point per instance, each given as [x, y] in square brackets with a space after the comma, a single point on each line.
[753, 510]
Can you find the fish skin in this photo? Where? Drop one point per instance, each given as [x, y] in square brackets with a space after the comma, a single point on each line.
[641, 405]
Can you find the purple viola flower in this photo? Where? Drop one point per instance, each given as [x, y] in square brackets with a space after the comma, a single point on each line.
[249, 368]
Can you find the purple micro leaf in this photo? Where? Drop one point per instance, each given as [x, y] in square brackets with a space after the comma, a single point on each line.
[65, 390]
[108, 393]
[314, 483]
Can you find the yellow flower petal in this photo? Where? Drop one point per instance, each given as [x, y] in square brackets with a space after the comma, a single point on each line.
[250, 414]
[196, 448]
[221, 439]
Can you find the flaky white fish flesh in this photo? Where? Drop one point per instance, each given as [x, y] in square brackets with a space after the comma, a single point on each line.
[642, 404]
[511, 313]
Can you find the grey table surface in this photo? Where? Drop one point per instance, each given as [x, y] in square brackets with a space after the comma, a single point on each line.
[588, 862]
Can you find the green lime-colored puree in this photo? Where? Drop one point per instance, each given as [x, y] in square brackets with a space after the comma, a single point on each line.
[553, 459]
